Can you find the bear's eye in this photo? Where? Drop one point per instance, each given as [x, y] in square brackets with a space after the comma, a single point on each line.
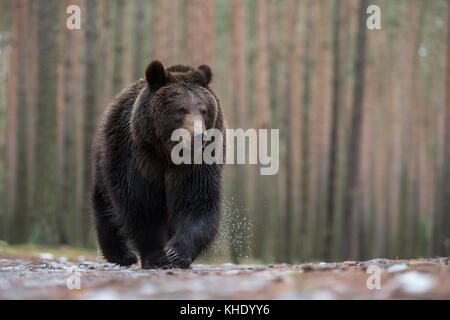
[181, 112]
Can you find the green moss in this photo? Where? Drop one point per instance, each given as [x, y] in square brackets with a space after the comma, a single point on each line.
[34, 251]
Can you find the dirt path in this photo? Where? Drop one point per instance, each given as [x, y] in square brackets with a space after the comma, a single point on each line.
[50, 279]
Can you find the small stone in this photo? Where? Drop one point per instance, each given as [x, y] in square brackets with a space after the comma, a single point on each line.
[307, 267]
[341, 268]
[325, 266]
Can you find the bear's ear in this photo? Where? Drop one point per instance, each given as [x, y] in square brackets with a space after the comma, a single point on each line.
[207, 73]
[155, 75]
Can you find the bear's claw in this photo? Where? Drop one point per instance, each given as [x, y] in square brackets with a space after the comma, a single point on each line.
[160, 263]
[177, 259]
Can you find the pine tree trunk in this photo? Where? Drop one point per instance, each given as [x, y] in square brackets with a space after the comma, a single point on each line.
[351, 205]
[20, 213]
[90, 108]
[239, 81]
[262, 119]
[46, 178]
[334, 118]
[444, 245]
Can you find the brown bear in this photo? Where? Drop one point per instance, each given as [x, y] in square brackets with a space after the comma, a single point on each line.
[167, 213]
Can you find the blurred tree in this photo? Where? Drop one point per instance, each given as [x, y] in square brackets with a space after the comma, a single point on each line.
[69, 202]
[46, 180]
[334, 118]
[91, 111]
[305, 127]
[352, 209]
[444, 245]
[160, 33]
[291, 124]
[119, 25]
[262, 121]
[139, 38]
[107, 52]
[20, 219]
[239, 94]
[11, 122]
[321, 101]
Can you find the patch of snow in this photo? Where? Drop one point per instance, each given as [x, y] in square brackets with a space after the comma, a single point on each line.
[415, 282]
[46, 256]
[398, 267]
[103, 294]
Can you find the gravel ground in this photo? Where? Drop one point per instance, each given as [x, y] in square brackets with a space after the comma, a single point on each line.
[48, 278]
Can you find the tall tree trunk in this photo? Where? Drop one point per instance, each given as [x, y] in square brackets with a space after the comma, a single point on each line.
[139, 39]
[262, 120]
[32, 89]
[277, 102]
[291, 123]
[119, 25]
[69, 206]
[10, 159]
[174, 12]
[194, 32]
[209, 32]
[444, 245]
[107, 53]
[239, 91]
[319, 129]
[160, 30]
[334, 124]
[351, 206]
[4, 26]
[306, 119]
[20, 214]
[90, 108]
[46, 180]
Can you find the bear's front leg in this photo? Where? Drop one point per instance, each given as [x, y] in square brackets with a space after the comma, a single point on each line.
[193, 199]
[150, 241]
[195, 231]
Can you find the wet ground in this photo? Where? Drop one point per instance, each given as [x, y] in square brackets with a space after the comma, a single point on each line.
[49, 278]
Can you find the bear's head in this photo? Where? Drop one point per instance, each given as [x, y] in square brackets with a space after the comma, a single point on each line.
[178, 97]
